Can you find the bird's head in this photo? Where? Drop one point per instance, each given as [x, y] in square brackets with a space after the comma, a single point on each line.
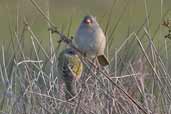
[89, 20]
[70, 52]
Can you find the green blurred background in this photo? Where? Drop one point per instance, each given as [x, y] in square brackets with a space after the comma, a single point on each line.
[126, 16]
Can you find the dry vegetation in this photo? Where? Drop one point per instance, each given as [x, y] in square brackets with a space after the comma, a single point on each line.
[137, 80]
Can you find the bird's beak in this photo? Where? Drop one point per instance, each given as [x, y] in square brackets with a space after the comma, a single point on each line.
[88, 21]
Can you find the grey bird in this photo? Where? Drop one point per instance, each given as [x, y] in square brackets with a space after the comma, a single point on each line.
[90, 39]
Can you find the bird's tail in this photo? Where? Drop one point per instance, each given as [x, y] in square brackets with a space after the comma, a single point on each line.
[102, 59]
[70, 92]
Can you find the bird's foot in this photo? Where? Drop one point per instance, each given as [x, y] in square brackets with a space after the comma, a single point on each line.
[52, 29]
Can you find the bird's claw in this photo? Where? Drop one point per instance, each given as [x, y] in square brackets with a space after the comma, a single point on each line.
[59, 41]
[52, 29]
[72, 37]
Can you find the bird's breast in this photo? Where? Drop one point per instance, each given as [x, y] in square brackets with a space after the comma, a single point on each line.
[90, 41]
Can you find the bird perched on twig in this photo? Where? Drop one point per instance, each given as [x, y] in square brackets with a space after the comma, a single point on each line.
[90, 39]
[70, 68]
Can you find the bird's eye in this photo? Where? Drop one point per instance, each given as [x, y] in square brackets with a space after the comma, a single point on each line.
[71, 52]
[87, 21]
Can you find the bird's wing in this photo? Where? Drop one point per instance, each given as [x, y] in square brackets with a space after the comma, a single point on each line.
[75, 66]
[71, 70]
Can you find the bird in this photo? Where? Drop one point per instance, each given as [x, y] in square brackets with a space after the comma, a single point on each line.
[70, 69]
[90, 39]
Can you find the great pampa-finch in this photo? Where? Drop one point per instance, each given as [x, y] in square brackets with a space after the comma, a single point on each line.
[70, 69]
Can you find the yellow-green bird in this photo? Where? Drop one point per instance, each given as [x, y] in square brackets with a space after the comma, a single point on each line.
[70, 68]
